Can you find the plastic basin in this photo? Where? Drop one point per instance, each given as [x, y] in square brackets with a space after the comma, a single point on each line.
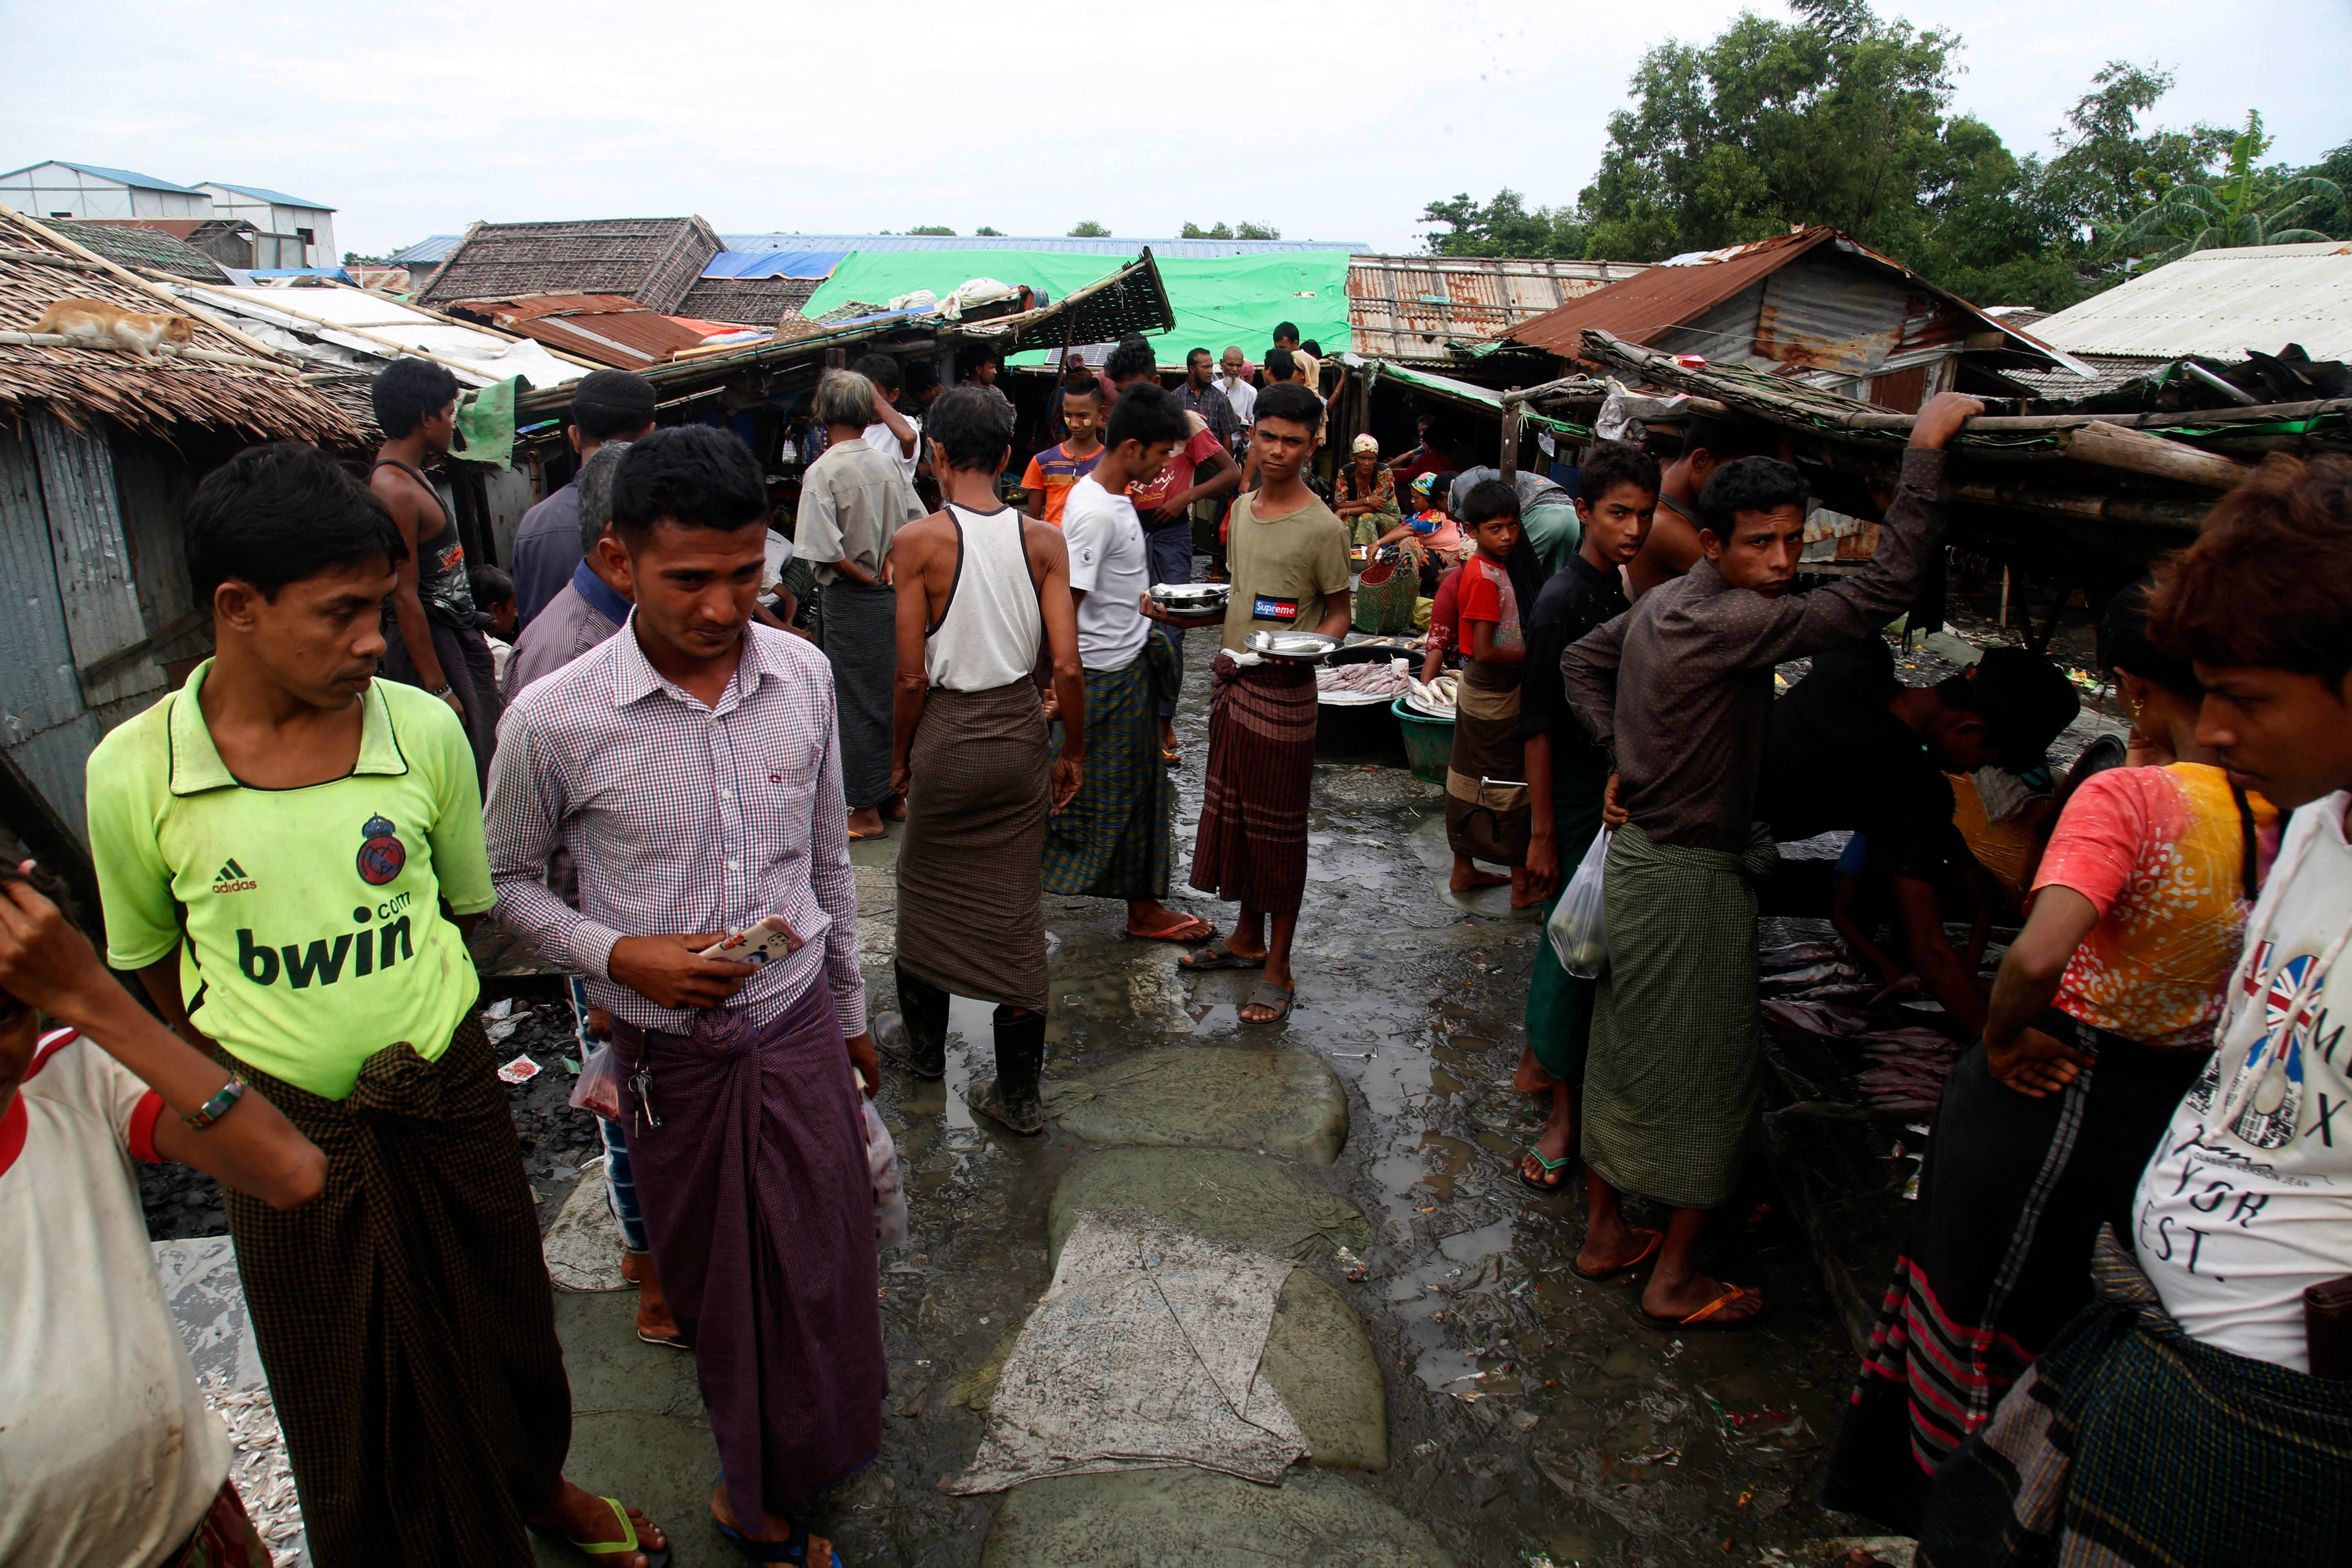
[1428, 743]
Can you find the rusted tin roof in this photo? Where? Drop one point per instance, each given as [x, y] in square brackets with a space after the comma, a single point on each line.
[611, 328]
[1411, 307]
[1846, 311]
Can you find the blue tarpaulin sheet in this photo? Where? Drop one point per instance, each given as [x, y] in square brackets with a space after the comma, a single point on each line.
[773, 263]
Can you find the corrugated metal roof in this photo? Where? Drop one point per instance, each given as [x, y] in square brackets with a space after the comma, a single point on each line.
[1409, 307]
[431, 248]
[1666, 296]
[611, 328]
[278, 198]
[1108, 246]
[2220, 303]
[120, 176]
[814, 265]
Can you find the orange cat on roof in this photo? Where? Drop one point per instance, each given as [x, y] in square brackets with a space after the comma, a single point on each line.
[100, 324]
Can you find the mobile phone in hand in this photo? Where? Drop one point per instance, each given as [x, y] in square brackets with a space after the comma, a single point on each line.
[757, 943]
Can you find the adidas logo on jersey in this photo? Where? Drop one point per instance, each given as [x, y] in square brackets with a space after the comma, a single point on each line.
[232, 878]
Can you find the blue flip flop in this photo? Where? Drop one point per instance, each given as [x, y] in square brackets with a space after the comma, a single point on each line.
[795, 1550]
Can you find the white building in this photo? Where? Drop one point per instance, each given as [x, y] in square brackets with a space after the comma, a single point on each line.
[275, 212]
[85, 190]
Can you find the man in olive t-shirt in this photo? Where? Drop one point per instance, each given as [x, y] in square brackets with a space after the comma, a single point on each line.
[1289, 558]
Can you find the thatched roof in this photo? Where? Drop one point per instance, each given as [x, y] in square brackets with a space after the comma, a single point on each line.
[137, 246]
[224, 383]
[653, 260]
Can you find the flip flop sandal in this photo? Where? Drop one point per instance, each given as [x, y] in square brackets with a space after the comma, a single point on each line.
[675, 1343]
[795, 1550]
[1704, 1320]
[1218, 954]
[1649, 1251]
[627, 1543]
[1172, 756]
[1269, 994]
[1549, 1188]
[1192, 929]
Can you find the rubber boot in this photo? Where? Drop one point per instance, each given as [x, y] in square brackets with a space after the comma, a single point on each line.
[920, 1043]
[1011, 1097]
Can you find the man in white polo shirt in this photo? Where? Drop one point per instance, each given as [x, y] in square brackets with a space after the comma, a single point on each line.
[1112, 840]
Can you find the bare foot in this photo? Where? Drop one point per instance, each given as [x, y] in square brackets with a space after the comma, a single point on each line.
[1467, 877]
[866, 824]
[895, 808]
[773, 1528]
[1605, 1252]
[654, 1320]
[1695, 1291]
[1531, 1079]
[577, 1515]
[1520, 897]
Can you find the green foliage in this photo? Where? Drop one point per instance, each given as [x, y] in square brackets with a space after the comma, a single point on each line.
[986, 232]
[1089, 229]
[1229, 231]
[1837, 116]
[2248, 206]
[1504, 226]
[930, 228]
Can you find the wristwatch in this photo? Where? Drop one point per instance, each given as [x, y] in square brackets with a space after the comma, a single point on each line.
[443, 690]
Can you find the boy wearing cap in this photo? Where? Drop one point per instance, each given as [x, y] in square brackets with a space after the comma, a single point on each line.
[1852, 747]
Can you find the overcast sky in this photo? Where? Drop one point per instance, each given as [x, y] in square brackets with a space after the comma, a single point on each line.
[1334, 121]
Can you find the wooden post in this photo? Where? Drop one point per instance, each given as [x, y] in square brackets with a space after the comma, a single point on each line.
[1510, 464]
[2004, 596]
[2145, 452]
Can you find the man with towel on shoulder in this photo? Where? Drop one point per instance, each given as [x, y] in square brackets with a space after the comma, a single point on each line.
[1289, 557]
[981, 587]
[853, 500]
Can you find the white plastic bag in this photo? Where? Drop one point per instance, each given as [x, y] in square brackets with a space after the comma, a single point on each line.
[1578, 935]
[882, 1162]
[599, 1089]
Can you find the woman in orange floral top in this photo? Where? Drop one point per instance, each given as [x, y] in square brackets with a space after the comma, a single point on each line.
[2101, 1018]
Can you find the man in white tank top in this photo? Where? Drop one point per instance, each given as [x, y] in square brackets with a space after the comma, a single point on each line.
[981, 590]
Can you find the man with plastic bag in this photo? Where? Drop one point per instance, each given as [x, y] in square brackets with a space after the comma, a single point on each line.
[692, 765]
[1678, 691]
[1567, 775]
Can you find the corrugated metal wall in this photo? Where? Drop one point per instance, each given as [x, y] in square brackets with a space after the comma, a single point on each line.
[93, 565]
[42, 721]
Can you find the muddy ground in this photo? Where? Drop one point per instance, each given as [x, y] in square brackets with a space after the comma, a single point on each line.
[1530, 1415]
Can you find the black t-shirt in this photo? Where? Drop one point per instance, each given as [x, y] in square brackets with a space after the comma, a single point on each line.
[1579, 598]
[1835, 758]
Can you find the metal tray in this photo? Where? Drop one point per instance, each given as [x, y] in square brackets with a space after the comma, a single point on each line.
[1296, 648]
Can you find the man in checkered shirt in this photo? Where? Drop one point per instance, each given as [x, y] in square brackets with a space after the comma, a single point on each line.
[691, 766]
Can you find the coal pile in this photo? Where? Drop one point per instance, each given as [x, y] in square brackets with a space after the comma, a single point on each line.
[552, 1140]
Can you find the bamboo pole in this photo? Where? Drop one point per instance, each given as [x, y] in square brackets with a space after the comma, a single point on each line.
[2120, 447]
[209, 356]
[124, 275]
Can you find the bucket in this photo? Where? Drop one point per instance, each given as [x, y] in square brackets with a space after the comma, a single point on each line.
[1428, 743]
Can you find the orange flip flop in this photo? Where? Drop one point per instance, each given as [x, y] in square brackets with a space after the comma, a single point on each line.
[1704, 1320]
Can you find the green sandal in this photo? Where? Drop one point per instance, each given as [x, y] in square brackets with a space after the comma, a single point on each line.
[1547, 1186]
[627, 1543]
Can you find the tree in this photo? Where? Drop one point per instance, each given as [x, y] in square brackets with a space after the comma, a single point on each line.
[1504, 226]
[2249, 205]
[930, 228]
[1835, 118]
[1089, 229]
[1257, 231]
[986, 232]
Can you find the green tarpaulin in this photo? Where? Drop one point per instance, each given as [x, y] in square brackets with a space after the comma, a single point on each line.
[486, 419]
[1218, 299]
